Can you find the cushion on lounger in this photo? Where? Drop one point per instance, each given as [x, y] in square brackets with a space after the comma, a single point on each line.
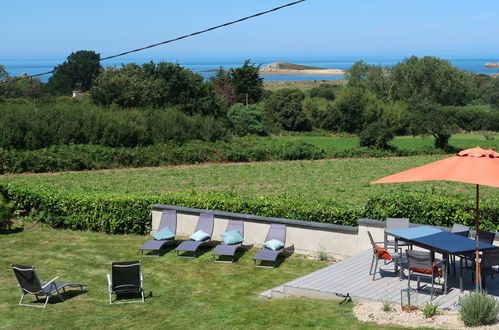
[199, 236]
[274, 244]
[232, 237]
[163, 234]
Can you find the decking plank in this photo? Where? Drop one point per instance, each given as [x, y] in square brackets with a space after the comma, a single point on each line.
[352, 276]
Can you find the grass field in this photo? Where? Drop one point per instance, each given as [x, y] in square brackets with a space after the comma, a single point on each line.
[459, 141]
[186, 293]
[343, 181]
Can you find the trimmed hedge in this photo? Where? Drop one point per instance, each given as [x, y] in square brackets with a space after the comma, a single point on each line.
[94, 157]
[129, 213]
[430, 209]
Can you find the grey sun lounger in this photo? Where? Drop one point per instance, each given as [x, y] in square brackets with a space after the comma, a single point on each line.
[223, 250]
[168, 219]
[30, 284]
[205, 223]
[278, 232]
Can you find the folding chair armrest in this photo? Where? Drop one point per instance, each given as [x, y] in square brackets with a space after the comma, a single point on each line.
[50, 282]
[109, 283]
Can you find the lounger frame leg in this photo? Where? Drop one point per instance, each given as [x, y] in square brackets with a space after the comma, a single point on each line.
[31, 305]
[115, 302]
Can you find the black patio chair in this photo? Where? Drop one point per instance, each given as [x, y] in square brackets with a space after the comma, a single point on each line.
[30, 284]
[461, 230]
[277, 232]
[168, 219]
[420, 264]
[205, 224]
[229, 250]
[483, 236]
[125, 278]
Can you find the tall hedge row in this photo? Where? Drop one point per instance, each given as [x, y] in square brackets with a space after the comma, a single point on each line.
[131, 213]
[28, 127]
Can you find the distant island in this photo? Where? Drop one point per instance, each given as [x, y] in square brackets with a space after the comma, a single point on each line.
[289, 68]
[492, 65]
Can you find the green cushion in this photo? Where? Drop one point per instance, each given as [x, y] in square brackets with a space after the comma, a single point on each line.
[274, 244]
[199, 236]
[163, 234]
[232, 237]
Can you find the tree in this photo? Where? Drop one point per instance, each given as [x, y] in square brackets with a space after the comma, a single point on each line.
[77, 72]
[430, 80]
[13, 88]
[157, 85]
[491, 94]
[415, 81]
[247, 82]
[355, 107]
[285, 108]
[223, 87]
[433, 120]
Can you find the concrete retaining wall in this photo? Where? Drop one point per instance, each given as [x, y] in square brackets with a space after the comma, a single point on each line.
[307, 237]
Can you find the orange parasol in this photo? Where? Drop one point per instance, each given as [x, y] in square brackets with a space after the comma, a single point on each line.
[476, 166]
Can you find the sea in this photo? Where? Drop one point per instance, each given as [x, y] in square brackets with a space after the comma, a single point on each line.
[202, 65]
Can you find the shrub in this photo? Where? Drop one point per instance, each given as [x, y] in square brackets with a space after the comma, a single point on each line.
[66, 122]
[6, 212]
[86, 157]
[324, 91]
[285, 108]
[430, 309]
[247, 120]
[318, 112]
[478, 309]
[431, 209]
[376, 135]
[157, 85]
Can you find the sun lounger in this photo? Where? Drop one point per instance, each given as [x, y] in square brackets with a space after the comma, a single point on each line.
[267, 255]
[30, 284]
[229, 250]
[168, 219]
[204, 225]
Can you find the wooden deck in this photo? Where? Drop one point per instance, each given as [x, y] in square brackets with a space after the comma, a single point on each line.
[351, 276]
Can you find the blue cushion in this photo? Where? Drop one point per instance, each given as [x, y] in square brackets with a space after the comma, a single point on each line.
[199, 236]
[232, 237]
[163, 234]
[274, 244]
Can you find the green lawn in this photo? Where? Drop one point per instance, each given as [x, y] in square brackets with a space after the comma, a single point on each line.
[186, 293]
[328, 181]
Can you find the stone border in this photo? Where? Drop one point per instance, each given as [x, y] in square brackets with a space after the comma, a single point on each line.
[257, 218]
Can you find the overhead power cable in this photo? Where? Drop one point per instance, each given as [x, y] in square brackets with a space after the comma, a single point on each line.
[168, 41]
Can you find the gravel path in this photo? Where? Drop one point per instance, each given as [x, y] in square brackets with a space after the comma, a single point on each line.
[373, 312]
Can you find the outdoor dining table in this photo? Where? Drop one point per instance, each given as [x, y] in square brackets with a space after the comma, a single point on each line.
[439, 241]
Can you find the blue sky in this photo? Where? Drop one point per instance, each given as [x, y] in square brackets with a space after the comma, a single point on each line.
[55, 28]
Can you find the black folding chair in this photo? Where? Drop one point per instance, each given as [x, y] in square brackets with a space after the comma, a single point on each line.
[30, 284]
[125, 278]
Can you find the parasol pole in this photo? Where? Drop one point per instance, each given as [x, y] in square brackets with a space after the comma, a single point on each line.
[477, 240]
